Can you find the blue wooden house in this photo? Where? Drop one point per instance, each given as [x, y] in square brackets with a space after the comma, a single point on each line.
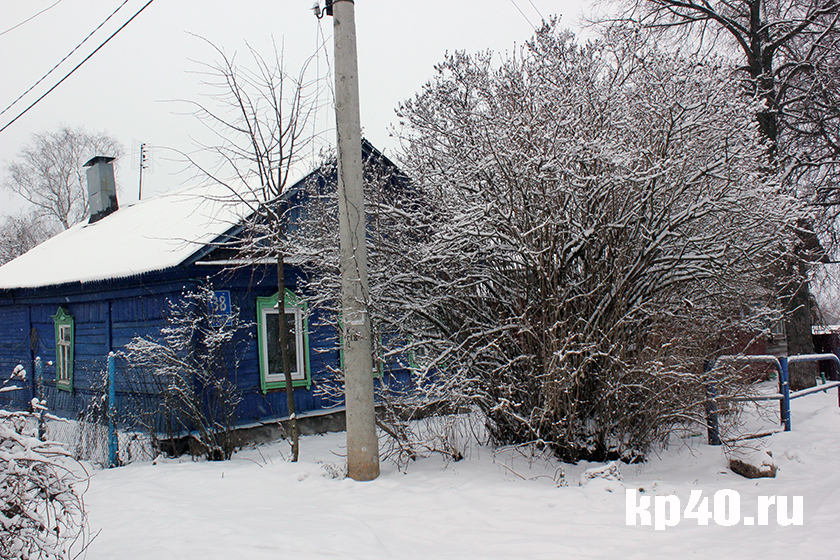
[90, 290]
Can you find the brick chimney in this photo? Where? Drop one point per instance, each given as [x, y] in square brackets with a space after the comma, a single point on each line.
[102, 189]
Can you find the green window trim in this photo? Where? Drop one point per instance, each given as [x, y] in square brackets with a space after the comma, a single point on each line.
[64, 349]
[293, 306]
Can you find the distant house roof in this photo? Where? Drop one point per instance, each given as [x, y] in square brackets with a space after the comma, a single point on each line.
[151, 235]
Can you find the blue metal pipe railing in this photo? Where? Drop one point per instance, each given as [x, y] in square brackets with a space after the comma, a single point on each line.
[39, 385]
[784, 384]
[784, 396]
[113, 443]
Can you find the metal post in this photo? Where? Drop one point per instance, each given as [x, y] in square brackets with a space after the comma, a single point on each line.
[113, 444]
[39, 387]
[785, 402]
[362, 442]
[142, 166]
[711, 405]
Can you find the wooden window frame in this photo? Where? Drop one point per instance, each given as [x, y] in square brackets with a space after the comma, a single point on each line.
[296, 307]
[64, 349]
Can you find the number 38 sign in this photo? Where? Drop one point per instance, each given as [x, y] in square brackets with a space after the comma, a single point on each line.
[221, 303]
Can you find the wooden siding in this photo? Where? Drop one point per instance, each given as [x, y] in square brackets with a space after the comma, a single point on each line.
[15, 343]
[108, 315]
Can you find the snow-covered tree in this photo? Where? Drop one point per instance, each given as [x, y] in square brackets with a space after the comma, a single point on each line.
[21, 232]
[398, 223]
[785, 53]
[600, 227]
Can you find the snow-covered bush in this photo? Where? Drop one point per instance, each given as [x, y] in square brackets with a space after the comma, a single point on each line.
[41, 509]
[601, 225]
[192, 366]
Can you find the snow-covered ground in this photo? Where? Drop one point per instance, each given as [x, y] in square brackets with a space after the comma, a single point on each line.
[490, 505]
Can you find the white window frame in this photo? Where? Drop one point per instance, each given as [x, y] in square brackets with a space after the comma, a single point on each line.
[279, 377]
[65, 344]
[64, 349]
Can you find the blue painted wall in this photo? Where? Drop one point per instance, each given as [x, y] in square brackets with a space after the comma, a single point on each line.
[107, 315]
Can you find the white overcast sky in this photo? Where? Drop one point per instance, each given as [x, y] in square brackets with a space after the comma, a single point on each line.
[128, 86]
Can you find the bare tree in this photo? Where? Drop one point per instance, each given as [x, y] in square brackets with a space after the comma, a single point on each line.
[786, 51]
[48, 172]
[262, 124]
[21, 232]
[599, 229]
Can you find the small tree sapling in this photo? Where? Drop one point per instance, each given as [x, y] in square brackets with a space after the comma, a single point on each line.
[193, 364]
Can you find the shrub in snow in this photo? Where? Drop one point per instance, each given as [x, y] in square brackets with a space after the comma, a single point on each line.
[584, 226]
[193, 365]
[41, 512]
[398, 223]
[601, 227]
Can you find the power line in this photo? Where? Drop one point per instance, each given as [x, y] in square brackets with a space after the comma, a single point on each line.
[321, 40]
[317, 86]
[77, 66]
[327, 60]
[520, 11]
[44, 77]
[57, 2]
[537, 10]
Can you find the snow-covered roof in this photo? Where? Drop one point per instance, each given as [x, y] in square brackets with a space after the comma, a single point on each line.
[154, 234]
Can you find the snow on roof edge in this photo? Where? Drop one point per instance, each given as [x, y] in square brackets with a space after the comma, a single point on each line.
[152, 235]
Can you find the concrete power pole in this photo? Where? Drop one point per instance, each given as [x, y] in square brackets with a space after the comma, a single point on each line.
[362, 442]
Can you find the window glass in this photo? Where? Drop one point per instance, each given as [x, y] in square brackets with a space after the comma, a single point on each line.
[63, 350]
[272, 332]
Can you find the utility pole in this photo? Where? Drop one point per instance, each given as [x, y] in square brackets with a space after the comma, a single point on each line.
[362, 441]
[142, 167]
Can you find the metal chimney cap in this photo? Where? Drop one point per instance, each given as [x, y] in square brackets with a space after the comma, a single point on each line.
[99, 159]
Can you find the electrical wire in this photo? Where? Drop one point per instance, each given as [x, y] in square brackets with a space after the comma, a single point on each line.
[328, 72]
[327, 60]
[44, 77]
[78, 65]
[537, 10]
[57, 2]
[520, 11]
[317, 90]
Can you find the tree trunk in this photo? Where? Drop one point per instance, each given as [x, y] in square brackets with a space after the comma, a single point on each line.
[798, 303]
[285, 350]
[799, 336]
